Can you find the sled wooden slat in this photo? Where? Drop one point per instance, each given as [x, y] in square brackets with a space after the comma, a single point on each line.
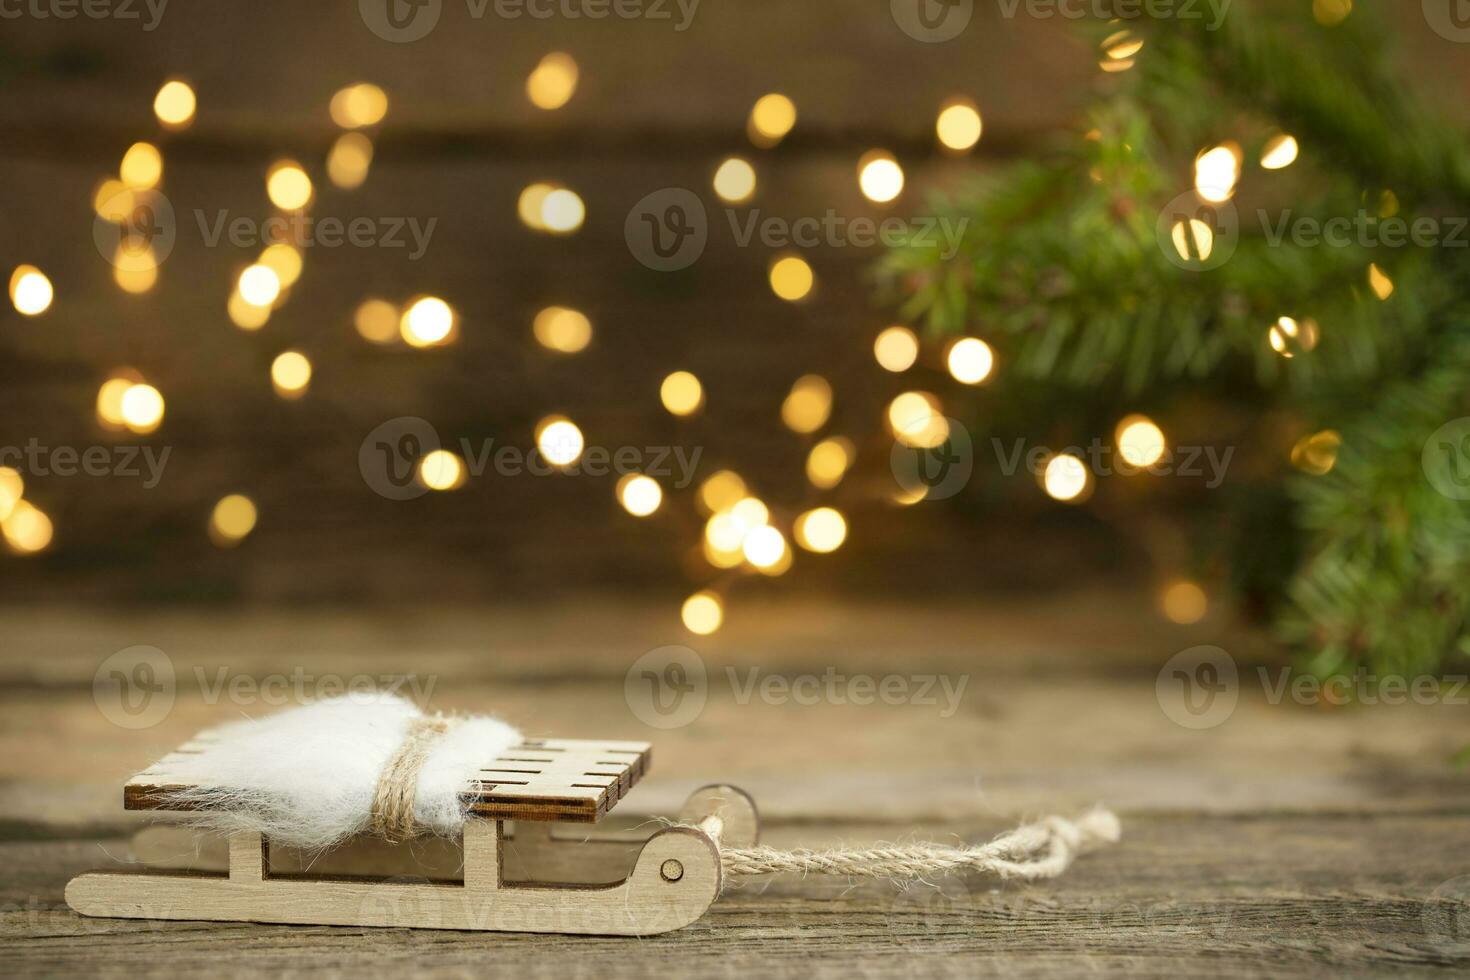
[540, 779]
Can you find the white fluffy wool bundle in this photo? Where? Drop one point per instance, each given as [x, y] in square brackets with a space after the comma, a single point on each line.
[306, 777]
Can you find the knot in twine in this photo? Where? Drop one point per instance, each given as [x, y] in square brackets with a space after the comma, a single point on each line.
[1029, 853]
[393, 815]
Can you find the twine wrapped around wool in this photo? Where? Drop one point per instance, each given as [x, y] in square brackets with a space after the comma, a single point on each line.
[393, 816]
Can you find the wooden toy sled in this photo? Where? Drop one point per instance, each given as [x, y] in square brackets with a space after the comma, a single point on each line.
[516, 870]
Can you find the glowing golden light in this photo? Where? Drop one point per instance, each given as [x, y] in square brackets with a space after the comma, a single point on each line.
[12, 488]
[702, 613]
[1216, 172]
[562, 211]
[26, 529]
[528, 205]
[1317, 453]
[174, 104]
[681, 393]
[552, 81]
[285, 261]
[724, 534]
[1330, 13]
[1379, 282]
[135, 270]
[291, 374]
[30, 290]
[1196, 233]
[288, 186]
[110, 399]
[771, 118]
[232, 520]
[1122, 45]
[559, 440]
[958, 126]
[829, 461]
[640, 495]
[808, 405]
[721, 491]
[764, 546]
[561, 329]
[896, 349]
[751, 512]
[259, 285]
[142, 408]
[142, 166]
[735, 180]
[1288, 337]
[113, 201]
[349, 161]
[1065, 478]
[916, 419]
[1140, 441]
[363, 104]
[1280, 152]
[880, 178]
[791, 278]
[427, 321]
[244, 315]
[442, 470]
[376, 321]
[970, 360]
[1183, 602]
[821, 531]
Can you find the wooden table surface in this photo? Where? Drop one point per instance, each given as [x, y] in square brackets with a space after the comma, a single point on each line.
[1288, 840]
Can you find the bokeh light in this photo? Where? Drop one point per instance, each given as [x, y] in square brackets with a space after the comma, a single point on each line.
[764, 546]
[110, 399]
[702, 613]
[735, 180]
[1317, 453]
[721, 491]
[285, 261]
[135, 270]
[1288, 337]
[27, 530]
[562, 211]
[1183, 602]
[896, 349]
[142, 408]
[12, 489]
[808, 405]
[363, 104]
[174, 104]
[376, 321]
[829, 461]
[1280, 152]
[30, 290]
[640, 495]
[959, 126]
[681, 393]
[970, 360]
[291, 374]
[771, 118]
[1066, 479]
[142, 167]
[349, 161]
[259, 285]
[791, 278]
[442, 470]
[1140, 441]
[1216, 172]
[553, 81]
[232, 520]
[821, 530]
[428, 321]
[559, 440]
[562, 329]
[244, 315]
[1379, 282]
[288, 186]
[880, 178]
[916, 419]
[528, 205]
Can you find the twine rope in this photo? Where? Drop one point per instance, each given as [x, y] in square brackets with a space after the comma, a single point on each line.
[1031, 852]
[392, 815]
